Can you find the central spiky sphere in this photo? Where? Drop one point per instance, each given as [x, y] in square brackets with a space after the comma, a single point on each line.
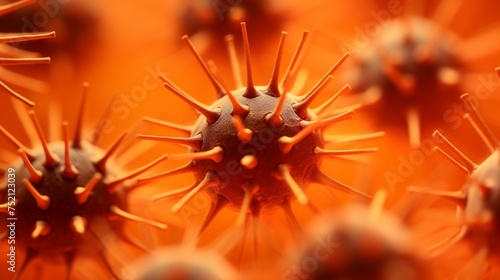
[262, 148]
[59, 224]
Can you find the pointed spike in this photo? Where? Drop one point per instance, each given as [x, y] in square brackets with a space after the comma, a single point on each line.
[97, 133]
[413, 123]
[286, 143]
[4, 208]
[213, 79]
[114, 184]
[468, 163]
[23, 61]
[335, 153]
[326, 121]
[211, 115]
[377, 205]
[42, 201]
[286, 83]
[172, 193]
[469, 105]
[77, 139]
[7, 8]
[181, 128]
[13, 38]
[249, 162]
[481, 134]
[42, 228]
[101, 163]
[216, 154]
[244, 134]
[16, 143]
[216, 206]
[303, 105]
[30, 256]
[291, 217]
[78, 224]
[274, 118]
[457, 197]
[51, 160]
[255, 219]
[320, 110]
[69, 260]
[35, 175]
[250, 92]
[16, 95]
[451, 159]
[244, 242]
[273, 87]
[184, 169]
[125, 215]
[353, 138]
[208, 181]
[238, 108]
[82, 194]
[284, 174]
[330, 182]
[440, 248]
[233, 59]
[193, 142]
[250, 189]
[69, 171]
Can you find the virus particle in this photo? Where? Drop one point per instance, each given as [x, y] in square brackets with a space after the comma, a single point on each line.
[10, 55]
[414, 69]
[183, 263]
[478, 200]
[67, 195]
[256, 147]
[359, 243]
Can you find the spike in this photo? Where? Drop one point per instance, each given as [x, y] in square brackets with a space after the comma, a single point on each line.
[125, 215]
[273, 86]
[17, 95]
[457, 197]
[233, 59]
[82, 193]
[101, 163]
[330, 182]
[172, 193]
[4, 208]
[182, 128]
[213, 79]
[250, 92]
[98, 130]
[326, 121]
[217, 205]
[68, 171]
[274, 118]
[238, 108]
[284, 174]
[478, 130]
[77, 139]
[212, 116]
[250, 190]
[184, 169]
[35, 175]
[244, 241]
[353, 138]
[13, 38]
[7, 8]
[244, 134]
[22, 81]
[320, 110]
[42, 201]
[291, 217]
[23, 61]
[42, 228]
[78, 224]
[193, 142]
[291, 71]
[249, 161]
[377, 205]
[50, 159]
[114, 184]
[334, 153]
[255, 214]
[286, 143]
[451, 159]
[469, 105]
[443, 246]
[208, 181]
[301, 107]
[405, 83]
[16, 142]
[468, 163]
[413, 122]
[216, 154]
